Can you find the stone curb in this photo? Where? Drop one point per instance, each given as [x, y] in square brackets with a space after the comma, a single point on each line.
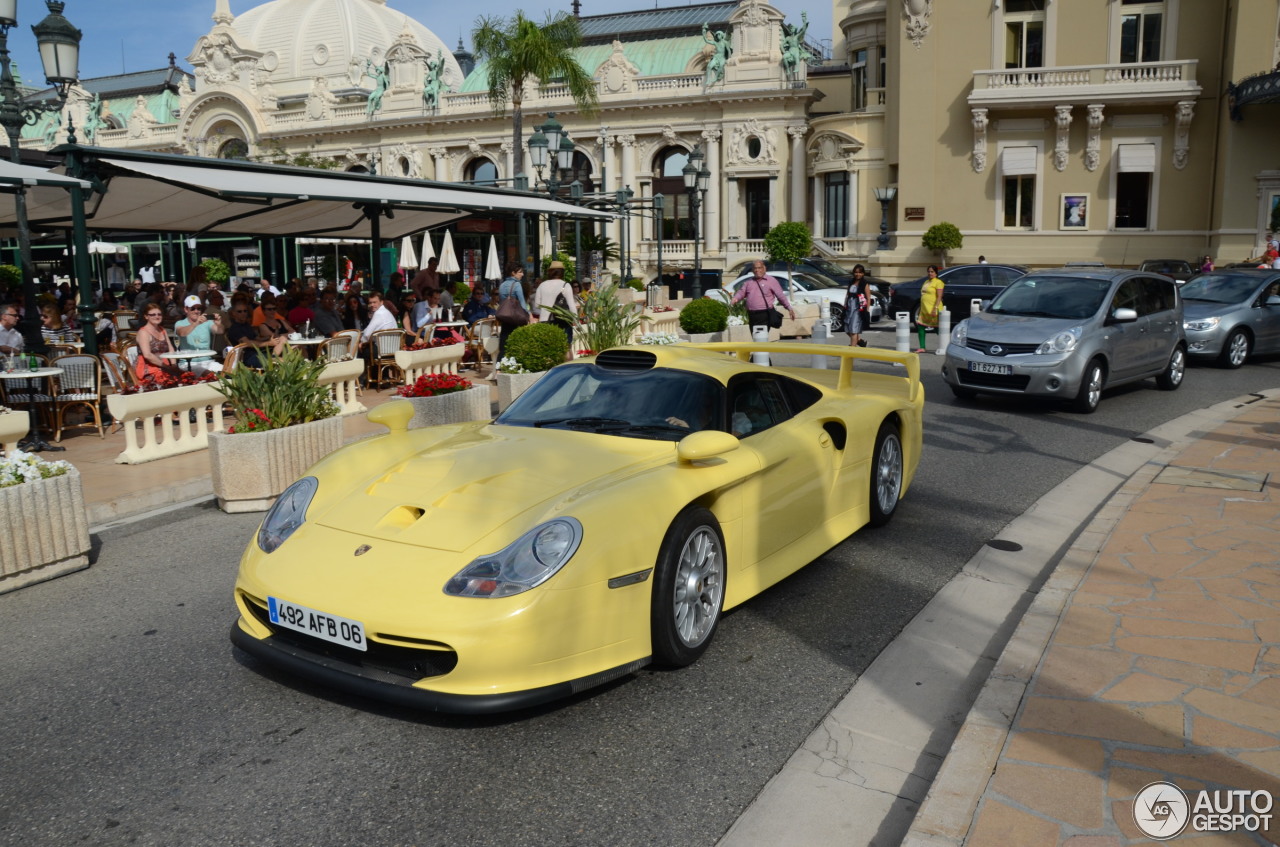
[948, 810]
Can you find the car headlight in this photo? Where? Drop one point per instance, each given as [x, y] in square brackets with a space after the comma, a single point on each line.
[1063, 342]
[526, 563]
[287, 514]
[1201, 324]
[960, 335]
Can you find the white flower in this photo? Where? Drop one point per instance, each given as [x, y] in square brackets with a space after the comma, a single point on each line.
[658, 338]
[19, 467]
[508, 365]
[734, 320]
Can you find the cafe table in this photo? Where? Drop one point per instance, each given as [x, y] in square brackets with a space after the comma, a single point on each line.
[187, 355]
[35, 441]
[307, 345]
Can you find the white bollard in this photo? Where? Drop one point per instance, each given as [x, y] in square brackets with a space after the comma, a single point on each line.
[902, 325]
[760, 335]
[975, 306]
[821, 334]
[944, 332]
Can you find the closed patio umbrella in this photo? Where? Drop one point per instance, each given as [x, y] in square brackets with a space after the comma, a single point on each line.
[428, 252]
[448, 261]
[493, 267]
[408, 259]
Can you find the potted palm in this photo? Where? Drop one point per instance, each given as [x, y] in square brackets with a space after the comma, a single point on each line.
[42, 516]
[531, 351]
[445, 398]
[285, 422]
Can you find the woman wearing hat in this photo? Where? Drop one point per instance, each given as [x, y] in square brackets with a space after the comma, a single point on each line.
[556, 291]
[197, 329]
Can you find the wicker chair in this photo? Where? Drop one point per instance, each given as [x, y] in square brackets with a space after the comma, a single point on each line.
[339, 348]
[79, 385]
[382, 358]
[125, 320]
[235, 356]
[34, 393]
[118, 374]
[477, 333]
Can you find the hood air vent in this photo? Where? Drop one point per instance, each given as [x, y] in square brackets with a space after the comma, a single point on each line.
[626, 360]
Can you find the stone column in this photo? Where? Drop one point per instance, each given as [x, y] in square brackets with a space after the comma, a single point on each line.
[440, 157]
[711, 209]
[509, 160]
[629, 181]
[798, 168]
[733, 210]
[775, 202]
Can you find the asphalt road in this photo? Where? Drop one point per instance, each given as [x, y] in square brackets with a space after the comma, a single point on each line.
[129, 719]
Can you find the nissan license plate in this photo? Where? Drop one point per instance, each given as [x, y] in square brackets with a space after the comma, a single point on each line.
[342, 631]
[989, 368]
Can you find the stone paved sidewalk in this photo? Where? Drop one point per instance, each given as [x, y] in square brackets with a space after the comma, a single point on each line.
[1164, 664]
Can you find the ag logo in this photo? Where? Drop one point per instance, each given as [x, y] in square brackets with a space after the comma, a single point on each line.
[1161, 810]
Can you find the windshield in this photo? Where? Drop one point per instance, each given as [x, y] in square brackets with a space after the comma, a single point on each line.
[1220, 288]
[660, 403]
[1052, 297]
[828, 268]
[814, 281]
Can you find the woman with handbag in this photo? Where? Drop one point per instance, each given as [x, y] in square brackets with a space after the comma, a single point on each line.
[762, 292]
[513, 310]
[857, 305]
[930, 306]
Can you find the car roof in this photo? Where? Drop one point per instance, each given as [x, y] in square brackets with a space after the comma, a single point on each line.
[985, 265]
[1092, 273]
[710, 363]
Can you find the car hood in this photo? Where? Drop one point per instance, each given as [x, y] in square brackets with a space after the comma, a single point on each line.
[461, 489]
[1018, 329]
[1198, 310]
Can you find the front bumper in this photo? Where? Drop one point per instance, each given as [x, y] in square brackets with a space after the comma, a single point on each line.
[1206, 343]
[332, 671]
[1053, 375]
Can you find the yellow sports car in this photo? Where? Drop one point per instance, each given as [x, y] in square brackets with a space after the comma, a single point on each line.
[604, 521]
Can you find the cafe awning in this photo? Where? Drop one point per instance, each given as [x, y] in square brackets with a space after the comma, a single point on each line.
[14, 176]
[170, 193]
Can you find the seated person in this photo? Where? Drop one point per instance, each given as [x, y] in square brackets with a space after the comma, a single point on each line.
[749, 414]
[477, 307]
[196, 331]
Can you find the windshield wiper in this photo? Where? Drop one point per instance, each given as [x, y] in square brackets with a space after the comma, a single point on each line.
[587, 423]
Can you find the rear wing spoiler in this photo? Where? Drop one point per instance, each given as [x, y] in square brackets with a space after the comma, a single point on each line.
[846, 355]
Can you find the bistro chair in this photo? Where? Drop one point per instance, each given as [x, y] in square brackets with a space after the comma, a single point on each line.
[124, 320]
[235, 358]
[118, 374]
[477, 334]
[337, 349]
[34, 393]
[57, 351]
[80, 384]
[382, 358]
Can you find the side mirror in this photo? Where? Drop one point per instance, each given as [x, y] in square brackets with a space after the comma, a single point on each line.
[395, 415]
[1124, 316]
[700, 446]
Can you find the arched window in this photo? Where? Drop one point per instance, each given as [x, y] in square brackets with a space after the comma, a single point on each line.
[669, 181]
[357, 169]
[482, 172]
[234, 148]
[582, 172]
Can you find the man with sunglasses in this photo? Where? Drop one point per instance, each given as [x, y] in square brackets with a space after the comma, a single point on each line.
[11, 340]
[196, 332]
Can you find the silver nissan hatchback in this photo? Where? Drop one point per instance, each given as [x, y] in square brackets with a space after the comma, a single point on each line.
[1070, 333]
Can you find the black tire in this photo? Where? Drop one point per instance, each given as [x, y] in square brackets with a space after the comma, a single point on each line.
[1091, 384]
[1171, 377]
[688, 588]
[1236, 349]
[962, 393]
[886, 474]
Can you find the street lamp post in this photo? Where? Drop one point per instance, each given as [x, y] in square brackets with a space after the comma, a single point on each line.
[550, 140]
[885, 197]
[59, 44]
[697, 179]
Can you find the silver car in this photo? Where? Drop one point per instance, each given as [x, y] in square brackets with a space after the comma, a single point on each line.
[1230, 315]
[1069, 334]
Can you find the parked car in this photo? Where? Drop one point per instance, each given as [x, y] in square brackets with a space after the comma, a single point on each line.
[1070, 334]
[1230, 315]
[1176, 268]
[827, 268]
[964, 284]
[805, 287]
[495, 565]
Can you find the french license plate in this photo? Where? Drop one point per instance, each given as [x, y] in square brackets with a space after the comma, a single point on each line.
[342, 631]
[989, 368]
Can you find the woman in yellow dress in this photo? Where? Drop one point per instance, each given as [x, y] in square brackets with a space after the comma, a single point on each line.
[930, 305]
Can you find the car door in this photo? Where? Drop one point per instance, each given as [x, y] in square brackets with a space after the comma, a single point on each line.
[788, 497]
[965, 284]
[1264, 318]
[1128, 342]
[1164, 321]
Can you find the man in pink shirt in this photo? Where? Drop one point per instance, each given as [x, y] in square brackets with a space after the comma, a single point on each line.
[761, 292]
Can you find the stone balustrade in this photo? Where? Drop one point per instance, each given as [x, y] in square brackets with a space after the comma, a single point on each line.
[343, 379]
[433, 360]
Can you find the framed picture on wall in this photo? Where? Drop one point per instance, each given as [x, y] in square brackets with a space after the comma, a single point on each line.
[1075, 212]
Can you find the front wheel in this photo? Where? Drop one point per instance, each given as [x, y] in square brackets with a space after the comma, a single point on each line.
[1236, 351]
[688, 589]
[1171, 377]
[886, 474]
[1090, 394]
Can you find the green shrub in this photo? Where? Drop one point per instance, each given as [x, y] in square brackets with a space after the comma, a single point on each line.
[704, 315]
[789, 241]
[635, 284]
[285, 392]
[216, 270]
[10, 278]
[461, 294]
[570, 265]
[538, 347]
[943, 237]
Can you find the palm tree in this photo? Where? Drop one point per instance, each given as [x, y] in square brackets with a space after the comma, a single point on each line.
[517, 49]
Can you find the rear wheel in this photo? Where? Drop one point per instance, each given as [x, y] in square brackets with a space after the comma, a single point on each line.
[1171, 377]
[1090, 394]
[886, 474]
[1236, 351]
[688, 588]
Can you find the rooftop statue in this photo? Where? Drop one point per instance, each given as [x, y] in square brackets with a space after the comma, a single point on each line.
[433, 83]
[794, 50]
[721, 51]
[382, 81]
[93, 122]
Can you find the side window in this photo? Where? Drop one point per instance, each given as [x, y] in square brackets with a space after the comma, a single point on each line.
[799, 395]
[1003, 276]
[756, 404]
[966, 276]
[1160, 295]
[1128, 296]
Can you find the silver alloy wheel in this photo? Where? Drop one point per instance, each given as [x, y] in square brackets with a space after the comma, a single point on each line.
[1095, 385]
[889, 473]
[699, 586]
[1177, 367]
[1239, 349]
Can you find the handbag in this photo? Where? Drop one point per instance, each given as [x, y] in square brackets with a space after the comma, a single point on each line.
[511, 313]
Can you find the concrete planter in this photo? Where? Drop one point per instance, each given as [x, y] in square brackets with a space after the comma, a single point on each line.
[456, 407]
[46, 531]
[13, 428]
[706, 337]
[743, 333]
[511, 386]
[251, 469]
